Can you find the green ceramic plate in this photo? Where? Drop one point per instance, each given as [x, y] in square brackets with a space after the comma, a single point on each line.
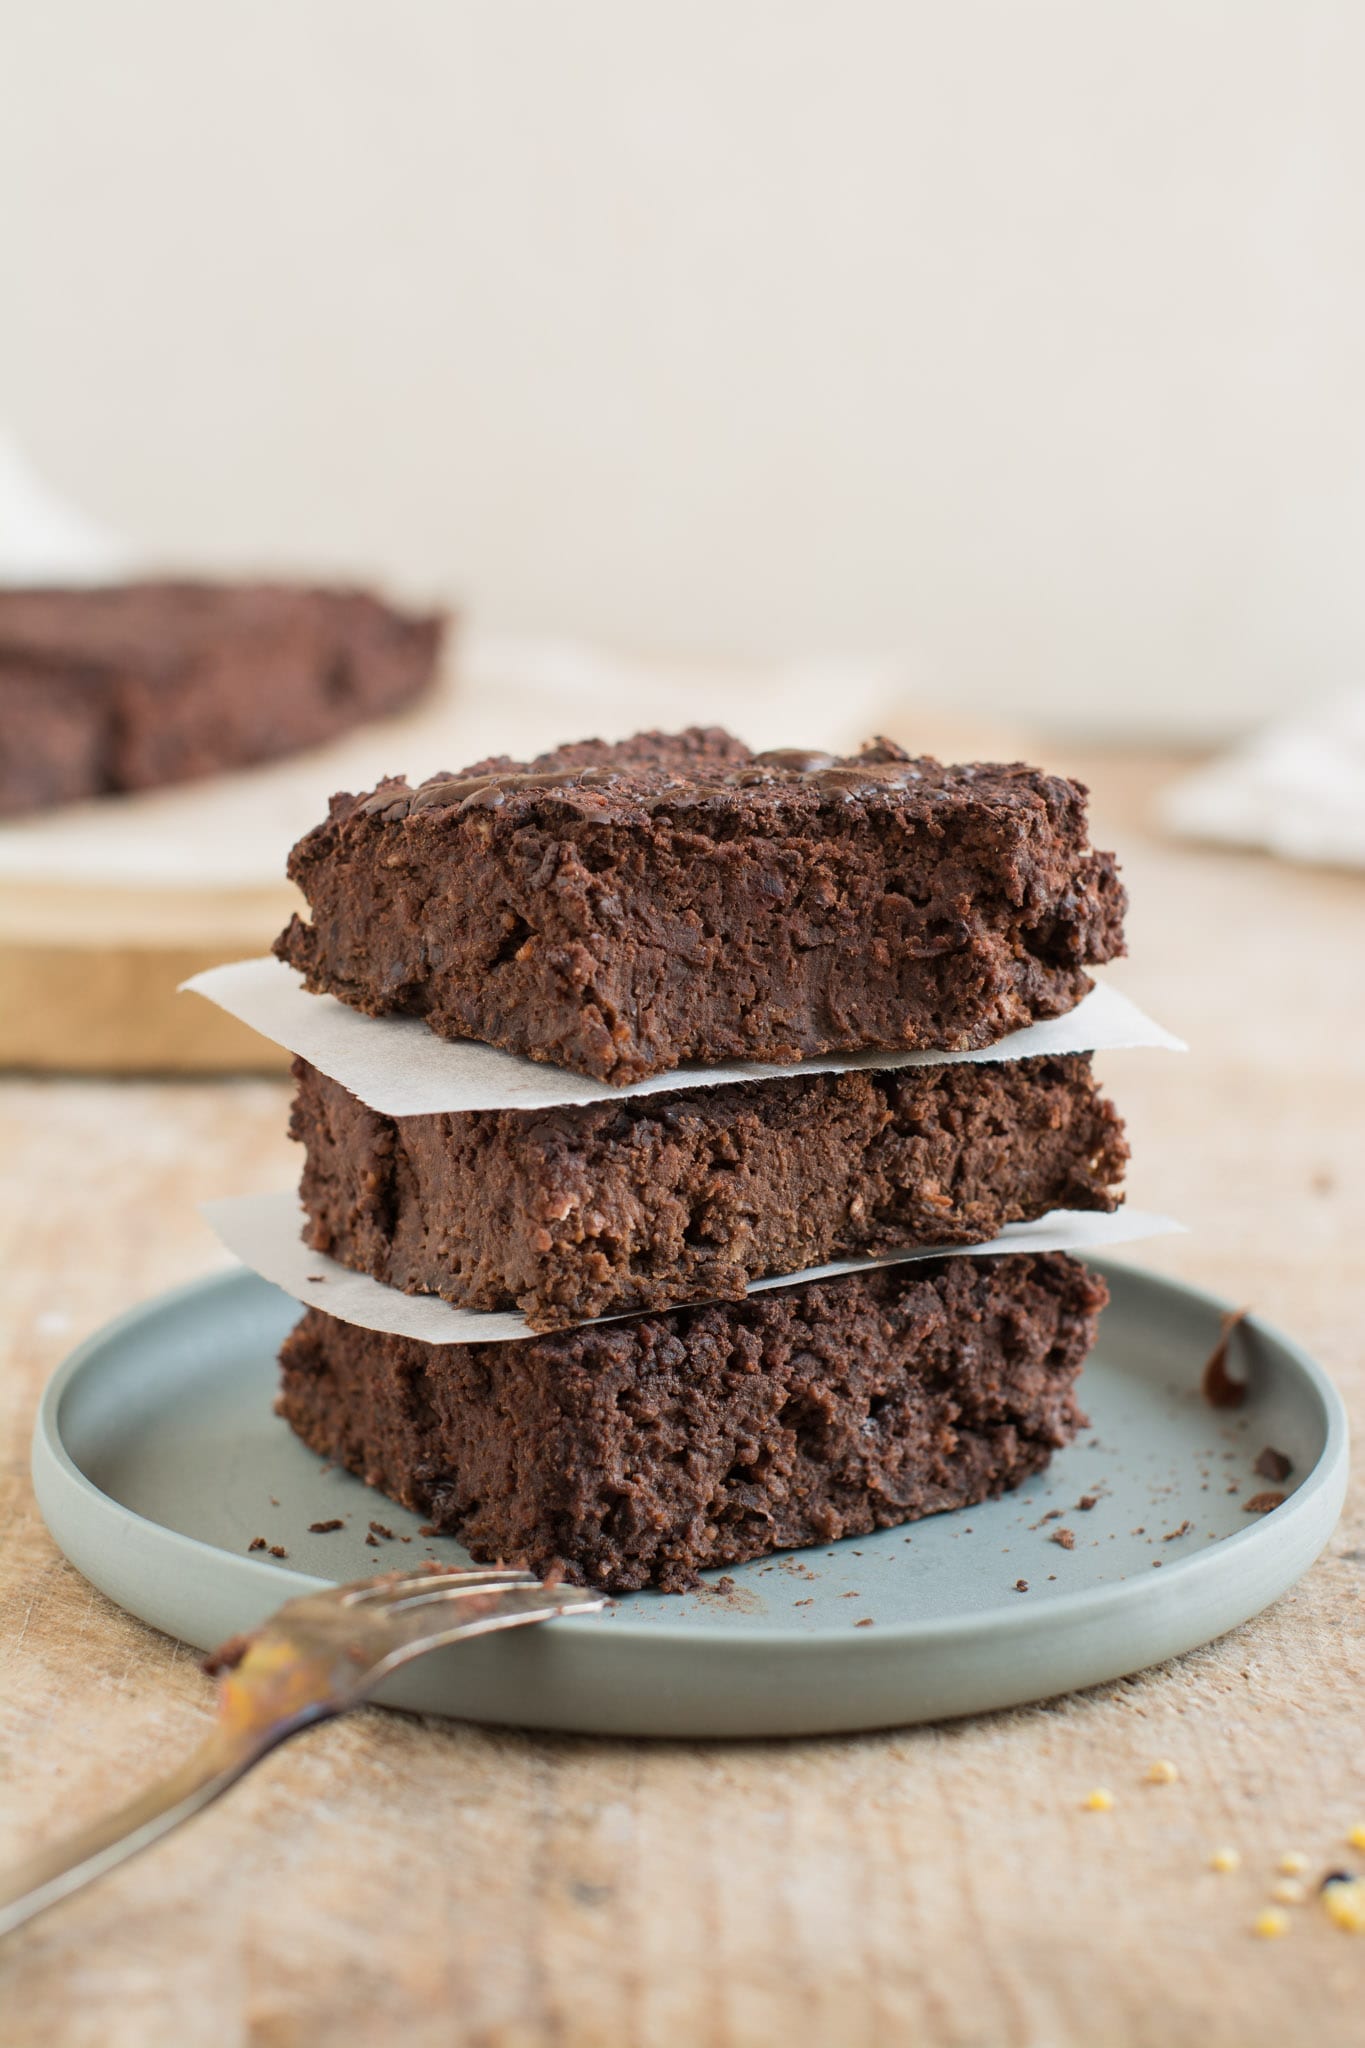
[157, 1459]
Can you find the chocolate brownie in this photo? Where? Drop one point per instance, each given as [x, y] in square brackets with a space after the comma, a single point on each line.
[595, 1209]
[620, 909]
[635, 1453]
[134, 685]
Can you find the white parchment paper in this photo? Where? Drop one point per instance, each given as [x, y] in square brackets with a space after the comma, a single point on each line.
[264, 1233]
[400, 1068]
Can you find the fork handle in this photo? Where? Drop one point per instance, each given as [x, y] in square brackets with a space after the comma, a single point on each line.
[50, 1874]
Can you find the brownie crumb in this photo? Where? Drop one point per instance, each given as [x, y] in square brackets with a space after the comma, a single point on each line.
[1273, 1464]
[325, 1528]
[1183, 1530]
[1219, 1389]
[278, 1550]
[257, 1543]
[273, 1502]
[378, 1529]
[428, 1529]
[1262, 1503]
[372, 1540]
[1065, 1537]
[866, 1622]
[1021, 1585]
[317, 1279]
[1086, 1502]
[809, 1601]
[226, 1657]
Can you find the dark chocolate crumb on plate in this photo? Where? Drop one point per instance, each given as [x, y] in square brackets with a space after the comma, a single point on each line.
[1086, 1502]
[866, 1622]
[372, 1540]
[1262, 1503]
[1273, 1464]
[428, 1529]
[278, 1550]
[1021, 1585]
[325, 1528]
[1220, 1390]
[257, 1543]
[1183, 1530]
[1065, 1537]
[378, 1529]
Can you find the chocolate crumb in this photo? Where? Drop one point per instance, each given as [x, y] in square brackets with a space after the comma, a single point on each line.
[1087, 1501]
[372, 1540]
[317, 1279]
[1273, 1464]
[226, 1657]
[725, 1585]
[1262, 1503]
[1065, 1537]
[809, 1601]
[1219, 1389]
[428, 1529]
[256, 1543]
[866, 1622]
[1021, 1585]
[1183, 1530]
[325, 1528]
[278, 1550]
[378, 1529]
[273, 1502]
[405, 1539]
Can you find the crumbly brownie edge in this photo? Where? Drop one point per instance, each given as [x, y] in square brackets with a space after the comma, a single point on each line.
[639, 1453]
[622, 917]
[609, 1208]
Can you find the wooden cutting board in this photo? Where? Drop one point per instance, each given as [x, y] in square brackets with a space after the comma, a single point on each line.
[88, 977]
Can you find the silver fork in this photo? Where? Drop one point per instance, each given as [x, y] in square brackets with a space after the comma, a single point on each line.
[318, 1657]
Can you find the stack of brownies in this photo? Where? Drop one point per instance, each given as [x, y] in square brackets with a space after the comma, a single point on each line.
[618, 911]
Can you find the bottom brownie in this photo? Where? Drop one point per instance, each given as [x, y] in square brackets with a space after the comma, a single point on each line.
[637, 1452]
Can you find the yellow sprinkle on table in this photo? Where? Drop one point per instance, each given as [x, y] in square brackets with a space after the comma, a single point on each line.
[1356, 1838]
[1344, 1904]
[1293, 1864]
[1162, 1772]
[1290, 1891]
[1100, 1801]
[1225, 1859]
[1270, 1925]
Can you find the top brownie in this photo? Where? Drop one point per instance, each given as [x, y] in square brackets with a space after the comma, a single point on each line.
[618, 909]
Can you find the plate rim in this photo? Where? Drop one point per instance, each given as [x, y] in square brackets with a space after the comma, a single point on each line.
[51, 1457]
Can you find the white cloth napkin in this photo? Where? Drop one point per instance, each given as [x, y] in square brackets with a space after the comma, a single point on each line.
[1297, 789]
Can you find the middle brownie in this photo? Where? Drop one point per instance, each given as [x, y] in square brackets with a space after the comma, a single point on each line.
[644, 1203]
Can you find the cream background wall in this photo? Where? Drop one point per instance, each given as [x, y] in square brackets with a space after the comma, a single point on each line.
[1019, 342]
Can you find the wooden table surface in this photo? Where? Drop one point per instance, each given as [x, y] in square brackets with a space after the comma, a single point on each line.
[389, 1878]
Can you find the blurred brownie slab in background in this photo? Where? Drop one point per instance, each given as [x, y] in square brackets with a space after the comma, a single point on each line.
[136, 685]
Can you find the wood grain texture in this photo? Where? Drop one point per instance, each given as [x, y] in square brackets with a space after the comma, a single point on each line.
[389, 1878]
[88, 978]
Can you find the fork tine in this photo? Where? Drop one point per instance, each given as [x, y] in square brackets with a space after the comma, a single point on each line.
[403, 1602]
[369, 1592]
